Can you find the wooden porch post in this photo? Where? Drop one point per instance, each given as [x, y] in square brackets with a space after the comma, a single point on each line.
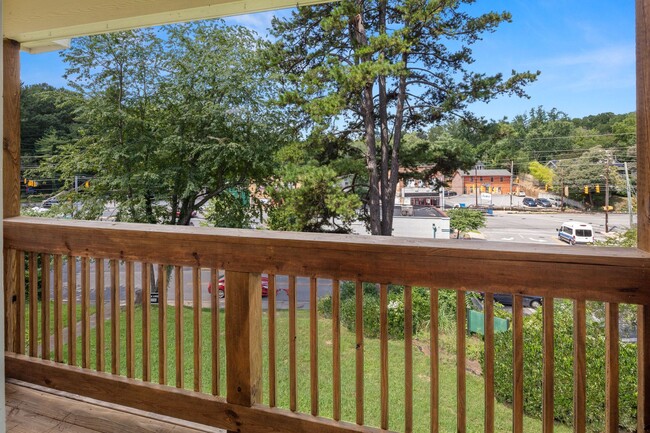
[10, 177]
[243, 338]
[11, 128]
[643, 199]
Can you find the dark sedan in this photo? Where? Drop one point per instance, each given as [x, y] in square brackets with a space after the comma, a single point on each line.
[530, 202]
[543, 202]
[528, 301]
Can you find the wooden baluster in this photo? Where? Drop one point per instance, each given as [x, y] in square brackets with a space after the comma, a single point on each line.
[33, 305]
[146, 321]
[643, 373]
[130, 322]
[408, 359]
[461, 391]
[336, 350]
[271, 317]
[10, 297]
[488, 371]
[548, 374]
[58, 308]
[178, 286]
[243, 338]
[85, 312]
[358, 324]
[434, 395]
[216, 350]
[99, 316]
[313, 344]
[162, 324]
[293, 393]
[197, 304]
[115, 317]
[518, 364]
[20, 303]
[579, 366]
[383, 354]
[611, 363]
[45, 306]
[72, 309]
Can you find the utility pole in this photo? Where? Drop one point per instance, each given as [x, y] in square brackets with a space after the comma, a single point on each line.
[512, 173]
[629, 194]
[76, 183]
[607, 195]
[476, 185]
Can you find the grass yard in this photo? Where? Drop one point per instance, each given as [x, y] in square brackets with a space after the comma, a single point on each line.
[64, 315]
[503, 414]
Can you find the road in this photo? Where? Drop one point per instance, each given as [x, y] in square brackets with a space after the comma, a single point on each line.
[540, 228]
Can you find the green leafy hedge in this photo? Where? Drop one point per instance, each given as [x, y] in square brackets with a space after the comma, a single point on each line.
[371, 311]
[563, 339]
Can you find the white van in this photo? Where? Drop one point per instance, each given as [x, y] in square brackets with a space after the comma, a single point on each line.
[575, 232]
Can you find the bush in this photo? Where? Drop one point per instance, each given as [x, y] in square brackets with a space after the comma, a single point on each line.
[533, 354]
[371, 311]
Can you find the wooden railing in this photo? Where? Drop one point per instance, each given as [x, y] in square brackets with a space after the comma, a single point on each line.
[118, 252]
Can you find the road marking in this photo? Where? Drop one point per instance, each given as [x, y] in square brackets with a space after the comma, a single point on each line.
[507, 239]
[537, 240]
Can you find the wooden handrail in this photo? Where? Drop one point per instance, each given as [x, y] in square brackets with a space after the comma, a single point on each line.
[599, 274]
[614, 275]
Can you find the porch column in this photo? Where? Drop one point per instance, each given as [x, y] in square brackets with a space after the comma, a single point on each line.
[11, 128]
[643, 199]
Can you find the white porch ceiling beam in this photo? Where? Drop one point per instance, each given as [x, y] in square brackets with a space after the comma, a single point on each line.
[44, 25]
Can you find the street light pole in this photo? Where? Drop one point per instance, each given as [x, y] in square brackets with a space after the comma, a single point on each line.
[607, 195]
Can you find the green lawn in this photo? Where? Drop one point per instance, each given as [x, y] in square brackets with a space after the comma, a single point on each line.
[503, 415]
[64, 316]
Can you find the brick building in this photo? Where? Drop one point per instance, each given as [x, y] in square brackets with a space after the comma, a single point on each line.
[492, 181]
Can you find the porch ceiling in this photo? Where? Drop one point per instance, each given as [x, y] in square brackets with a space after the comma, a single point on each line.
[44, 25]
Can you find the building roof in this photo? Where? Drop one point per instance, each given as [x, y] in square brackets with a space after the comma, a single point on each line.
[496, 172]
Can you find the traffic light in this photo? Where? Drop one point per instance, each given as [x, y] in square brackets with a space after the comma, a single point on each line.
[597, 187]
[586, 189]
[546, 187]
[87, 184]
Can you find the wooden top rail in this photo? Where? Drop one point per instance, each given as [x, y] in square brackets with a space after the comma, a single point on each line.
[586, 273]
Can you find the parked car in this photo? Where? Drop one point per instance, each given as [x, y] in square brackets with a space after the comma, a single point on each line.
[528, 301]
[521, 194]
[530, 202]
[543, 202]
[48, 203]
[222, 286]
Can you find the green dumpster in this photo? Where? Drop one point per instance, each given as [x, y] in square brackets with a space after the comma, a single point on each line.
[476, 322]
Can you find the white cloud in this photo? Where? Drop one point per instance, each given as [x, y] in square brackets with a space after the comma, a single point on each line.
[603, 68]
[259, 22]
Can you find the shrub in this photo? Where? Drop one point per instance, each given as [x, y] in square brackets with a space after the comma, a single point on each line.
[371, 311]
[563, 392]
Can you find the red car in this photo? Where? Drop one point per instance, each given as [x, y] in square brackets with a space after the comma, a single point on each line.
[222, 286]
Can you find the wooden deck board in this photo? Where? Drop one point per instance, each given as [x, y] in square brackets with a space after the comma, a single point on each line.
[32, 408]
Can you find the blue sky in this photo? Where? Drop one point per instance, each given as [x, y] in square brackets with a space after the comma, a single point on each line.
[584, 49]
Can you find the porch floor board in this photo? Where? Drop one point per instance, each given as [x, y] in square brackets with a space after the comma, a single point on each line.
[31, 408]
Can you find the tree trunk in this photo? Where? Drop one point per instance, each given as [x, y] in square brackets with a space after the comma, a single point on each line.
[386, 205]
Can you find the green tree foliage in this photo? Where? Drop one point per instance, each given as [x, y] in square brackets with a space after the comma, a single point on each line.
[541, 172]
[311, 198]
[376, 70]
[171, 119]
[44, 112]
[465, 220]
[588, 169]
[564, 381]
